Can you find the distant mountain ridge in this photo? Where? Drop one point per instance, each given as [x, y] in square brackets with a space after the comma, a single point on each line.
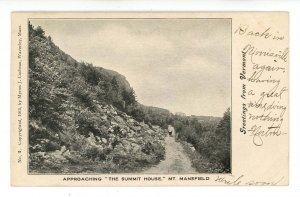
[206, 118]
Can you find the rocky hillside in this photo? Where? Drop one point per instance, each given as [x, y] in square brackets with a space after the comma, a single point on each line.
[121, 144]
[78, 116]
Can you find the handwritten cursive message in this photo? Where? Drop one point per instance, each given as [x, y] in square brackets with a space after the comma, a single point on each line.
[243, 180]
[264, 91]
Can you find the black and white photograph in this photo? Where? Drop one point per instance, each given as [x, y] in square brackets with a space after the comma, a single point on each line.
[138, 96]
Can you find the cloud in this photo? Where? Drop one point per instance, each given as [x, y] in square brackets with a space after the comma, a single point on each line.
[120, 39]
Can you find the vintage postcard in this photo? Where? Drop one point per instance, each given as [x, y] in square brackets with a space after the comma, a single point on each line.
[149, 99]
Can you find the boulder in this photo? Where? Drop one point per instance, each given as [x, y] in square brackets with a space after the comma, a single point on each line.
[136, 149]
[111, 130]
[123, 131]
[111, 139]
[44, 141]
[63, 149]
[113, 123]
[112, 110]
[144, 126]
[155, 127]
[37, 148]
[98, 138]
[104, 140]
[130, 134]
[91, 139]
[56, 155]
[99, 106]
[140, 138]
[104, 129]
[100, 147]
[136, 128]
[104, 117]
[122, 114]
[119, 149]
[118, 119]
[130, 120]
[132, 140]
[193, 149]
[149, 131]
[126, 144]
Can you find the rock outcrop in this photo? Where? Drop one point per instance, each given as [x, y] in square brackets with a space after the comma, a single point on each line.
[121, 144]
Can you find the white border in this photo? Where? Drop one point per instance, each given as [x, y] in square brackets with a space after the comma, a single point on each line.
[293, 6]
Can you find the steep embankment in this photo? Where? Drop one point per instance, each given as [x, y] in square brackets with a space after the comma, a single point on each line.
[77, 119]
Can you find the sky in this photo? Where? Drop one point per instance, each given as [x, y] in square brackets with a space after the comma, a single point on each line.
[183, 65]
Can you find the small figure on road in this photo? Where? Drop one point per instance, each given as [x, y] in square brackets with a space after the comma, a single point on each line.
[170, 130]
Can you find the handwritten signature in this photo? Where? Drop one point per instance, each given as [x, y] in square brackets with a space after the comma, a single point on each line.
[258, 133]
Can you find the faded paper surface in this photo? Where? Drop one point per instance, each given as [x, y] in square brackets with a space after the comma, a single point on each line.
[256, 52]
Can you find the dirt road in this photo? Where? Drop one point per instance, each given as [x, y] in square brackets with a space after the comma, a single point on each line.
[176, 162]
